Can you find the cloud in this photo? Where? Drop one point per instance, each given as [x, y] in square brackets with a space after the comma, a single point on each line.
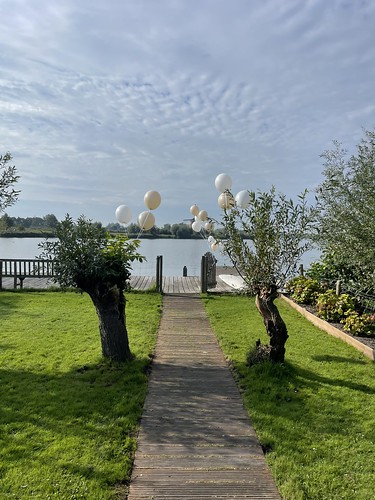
[101, 104]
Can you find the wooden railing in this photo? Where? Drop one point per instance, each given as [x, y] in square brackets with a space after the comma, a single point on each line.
[19, 269]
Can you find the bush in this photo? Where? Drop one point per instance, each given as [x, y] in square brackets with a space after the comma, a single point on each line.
[304, 290]
[332, 307]
[359, 324]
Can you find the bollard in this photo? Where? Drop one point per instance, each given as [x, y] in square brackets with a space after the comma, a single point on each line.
[184, 271]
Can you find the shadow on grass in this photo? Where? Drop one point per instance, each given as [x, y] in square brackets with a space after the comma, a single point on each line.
[338, 359]
[8, 304]
[285, 400]
[95, 407]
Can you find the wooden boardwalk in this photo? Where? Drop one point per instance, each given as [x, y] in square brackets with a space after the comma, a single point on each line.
[195, 440]
[171, 284]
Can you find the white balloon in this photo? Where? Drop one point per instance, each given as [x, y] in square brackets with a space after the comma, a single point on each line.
[123, 214]
[197, 219]
[203, 215]
[146, 220]
[208, 226]
[214, 246]
[223, 182]
[194, 210]
[225, 201]
[196, 226]
[210, 239]
[243, 199]
[152, 199]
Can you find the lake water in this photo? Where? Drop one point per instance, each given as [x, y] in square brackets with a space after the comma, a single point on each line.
[176, 254]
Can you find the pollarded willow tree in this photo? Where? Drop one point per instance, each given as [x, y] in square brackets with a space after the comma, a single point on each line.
[88, 258]
[8, 177]
[265, 236]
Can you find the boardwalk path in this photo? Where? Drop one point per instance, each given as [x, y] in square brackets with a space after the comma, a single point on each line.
[195, 439]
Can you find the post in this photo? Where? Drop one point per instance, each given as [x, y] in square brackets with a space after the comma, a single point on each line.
[338, 287]
[204, 274]
[184, 271]
[1, 274]
[159, 273]
[301, 271]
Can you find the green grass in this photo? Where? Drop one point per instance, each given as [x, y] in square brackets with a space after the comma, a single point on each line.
[315, 414]
[68, 421]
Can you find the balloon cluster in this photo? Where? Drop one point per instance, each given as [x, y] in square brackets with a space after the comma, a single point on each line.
[200, 219]
[223, 183]
[226, 201]
[146, 220]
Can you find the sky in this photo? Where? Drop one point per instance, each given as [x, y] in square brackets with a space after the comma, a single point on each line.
[102, 101]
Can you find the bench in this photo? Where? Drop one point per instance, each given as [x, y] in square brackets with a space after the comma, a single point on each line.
[20, 269]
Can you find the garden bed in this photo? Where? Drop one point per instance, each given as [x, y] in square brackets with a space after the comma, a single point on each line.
[363, 344]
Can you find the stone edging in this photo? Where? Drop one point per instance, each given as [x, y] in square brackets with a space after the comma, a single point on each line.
[324, 325]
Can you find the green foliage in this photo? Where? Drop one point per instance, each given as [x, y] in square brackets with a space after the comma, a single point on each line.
[332, 307]
[359, 324]
[278, 230]
[314, 414]
[69, 420]
[85, 254]
[347, 206]
[8, 177]
[304, 290]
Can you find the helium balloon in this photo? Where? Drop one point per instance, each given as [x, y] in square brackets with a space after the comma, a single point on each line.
[203, 215]
[210, 239]
[214, 246]
[196, 226]
[208, 226]
[152, 200]
[225, 201]
[243, 199]
[223, 182]
[194, 210]
[146, 220]
[123, 214]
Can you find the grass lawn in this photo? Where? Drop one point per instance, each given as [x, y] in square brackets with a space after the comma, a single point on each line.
[315, 414]
[68, 421]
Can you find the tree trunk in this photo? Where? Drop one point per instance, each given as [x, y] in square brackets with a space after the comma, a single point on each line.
[109, 301]
[275, 326]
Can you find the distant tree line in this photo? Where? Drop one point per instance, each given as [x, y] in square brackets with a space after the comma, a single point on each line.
[21, 224]
[48, 224]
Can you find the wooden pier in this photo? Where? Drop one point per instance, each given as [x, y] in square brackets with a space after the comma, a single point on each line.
[170, 284]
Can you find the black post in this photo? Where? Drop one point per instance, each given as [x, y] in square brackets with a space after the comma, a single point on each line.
[159, 273]
[184, 271]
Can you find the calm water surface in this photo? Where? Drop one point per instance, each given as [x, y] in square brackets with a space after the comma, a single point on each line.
[176, 254]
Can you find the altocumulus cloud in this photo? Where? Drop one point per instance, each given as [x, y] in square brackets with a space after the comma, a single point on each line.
[102, 102]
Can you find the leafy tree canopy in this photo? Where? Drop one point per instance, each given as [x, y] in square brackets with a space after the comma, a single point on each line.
[8, 177]
[86, 254]
[347, 206]
[278, 233]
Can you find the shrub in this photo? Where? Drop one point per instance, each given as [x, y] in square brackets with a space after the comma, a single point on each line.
[359, 324]
[332, 307]
[304, 290]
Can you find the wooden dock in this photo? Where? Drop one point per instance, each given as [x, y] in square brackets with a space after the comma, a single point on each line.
[196, 440]
[170, 284]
